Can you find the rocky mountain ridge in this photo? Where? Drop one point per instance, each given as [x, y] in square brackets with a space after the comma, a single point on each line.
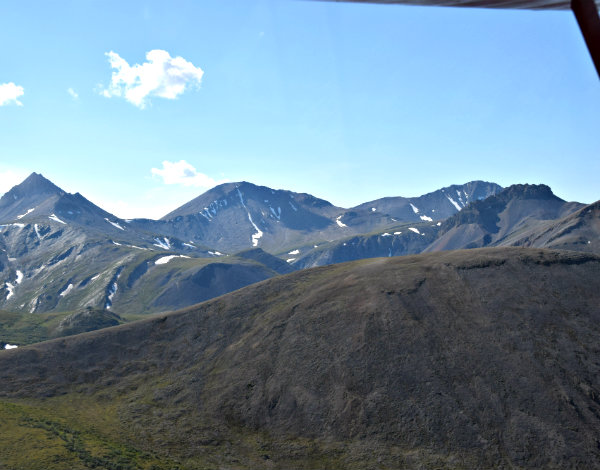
[60, 252]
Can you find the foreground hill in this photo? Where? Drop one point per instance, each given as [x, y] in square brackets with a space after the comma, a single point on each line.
[482, 358]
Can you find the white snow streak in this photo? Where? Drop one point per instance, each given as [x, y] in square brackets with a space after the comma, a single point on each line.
[10, 346]
[11, 290]
[258, 234]
[166, 259]
[291, 260]
[414, 208]
[412, 229]
[386, 234]
[424, 217]
[339, 222]
[19, 277]
[23, 215]
[454, 203]
[294, 252]
[166, 245]
[67, 290]
[114, 224]
[56, 219]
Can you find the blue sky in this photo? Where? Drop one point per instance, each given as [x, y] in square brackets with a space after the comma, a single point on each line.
[349, 102]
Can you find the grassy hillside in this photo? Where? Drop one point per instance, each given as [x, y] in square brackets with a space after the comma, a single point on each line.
[469, 359]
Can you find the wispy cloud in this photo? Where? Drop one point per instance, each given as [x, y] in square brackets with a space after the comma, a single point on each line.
[184, 174]
[9, 94]
[73, 93]
[161, 76]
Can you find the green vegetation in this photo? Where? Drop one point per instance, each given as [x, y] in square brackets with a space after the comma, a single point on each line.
[28, 328]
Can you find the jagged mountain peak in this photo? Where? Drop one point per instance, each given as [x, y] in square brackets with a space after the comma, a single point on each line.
[528, 191]
[34, 185]
[36, 182]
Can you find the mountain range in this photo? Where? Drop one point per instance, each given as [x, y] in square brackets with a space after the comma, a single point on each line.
[454, 330]
[61, 253]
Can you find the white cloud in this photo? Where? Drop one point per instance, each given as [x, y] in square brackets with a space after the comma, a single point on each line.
[73, 93]
[183, 173]
[162, 75]
[9, 92]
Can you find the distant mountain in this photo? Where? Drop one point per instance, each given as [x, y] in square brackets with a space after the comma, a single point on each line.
[437, 205]
[234, 216]
[579, 231]
[481, 358]
[398, 240]
[61, 253]
[498, 219]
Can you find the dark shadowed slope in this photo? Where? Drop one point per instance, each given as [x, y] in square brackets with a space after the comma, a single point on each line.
[579, 231]
[501, 218]
[466, 359]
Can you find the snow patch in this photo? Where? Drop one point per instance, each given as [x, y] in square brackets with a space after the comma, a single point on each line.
[189, 245]
[339, 222]
[373, 209]
[10, 346]
[258, 234]
[386, 234]
[214, 253]
[37, 231]
[276, 214]
[454, 203]
[412, 229]
[414, 208]
[397, 233]
[293, 206]
[19, 277]
[424, 217]
[438, 224]
[115, 243]
[56, 219]
[29, 211]
[291, 260]
[10, 287]
[165, 245]
[113, 288]
[166, 259]
[67, 290]
[114, 224]
[294, 252]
